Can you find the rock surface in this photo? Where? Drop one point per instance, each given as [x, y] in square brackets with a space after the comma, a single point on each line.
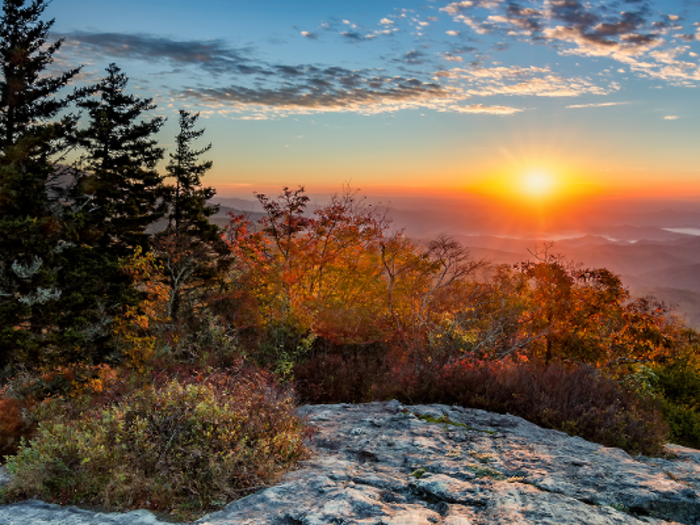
[383, 463]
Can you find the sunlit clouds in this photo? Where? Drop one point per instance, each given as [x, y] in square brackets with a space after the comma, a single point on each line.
[647, 43]
[428, 87]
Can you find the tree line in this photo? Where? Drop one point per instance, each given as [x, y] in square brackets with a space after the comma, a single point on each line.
[79, 189]
[83, 277]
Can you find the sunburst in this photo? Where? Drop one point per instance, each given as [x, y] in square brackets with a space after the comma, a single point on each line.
[538, 185]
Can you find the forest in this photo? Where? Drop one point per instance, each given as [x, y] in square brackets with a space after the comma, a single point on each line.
[151, 359]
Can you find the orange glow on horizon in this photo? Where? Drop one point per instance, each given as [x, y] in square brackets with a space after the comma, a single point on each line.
[534, 186]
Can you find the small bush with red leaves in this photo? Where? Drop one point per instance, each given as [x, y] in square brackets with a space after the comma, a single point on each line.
[329, 378]
[14, 424]
[578, 400]
[186, 447]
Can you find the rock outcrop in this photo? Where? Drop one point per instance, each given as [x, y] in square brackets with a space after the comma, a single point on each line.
[383, 463]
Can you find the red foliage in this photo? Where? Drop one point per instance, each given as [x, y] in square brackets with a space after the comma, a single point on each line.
[329, 378]
[14, 424]
[578, 400]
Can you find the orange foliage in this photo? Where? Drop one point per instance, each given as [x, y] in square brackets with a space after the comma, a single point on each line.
[341, 275]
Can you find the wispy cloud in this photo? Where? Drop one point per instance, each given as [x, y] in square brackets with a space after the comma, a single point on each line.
[214, 56]
[598, 105]
[524, 81]
[415, 56]
[356, 36]
[481, 108]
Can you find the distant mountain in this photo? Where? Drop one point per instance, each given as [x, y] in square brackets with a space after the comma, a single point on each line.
[684, 303]
[627, 259]
[221, 218]
[684, 277]
[238, 204]
[666, 218]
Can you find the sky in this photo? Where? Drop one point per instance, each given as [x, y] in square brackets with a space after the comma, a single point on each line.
[515, 99]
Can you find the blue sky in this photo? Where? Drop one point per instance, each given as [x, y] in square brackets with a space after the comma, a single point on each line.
[414, 95]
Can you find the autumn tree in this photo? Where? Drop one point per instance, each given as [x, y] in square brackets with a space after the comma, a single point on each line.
[311, 274]
[341, 283]
[579, 314]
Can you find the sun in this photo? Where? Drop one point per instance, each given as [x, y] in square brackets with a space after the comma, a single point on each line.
[538, 184]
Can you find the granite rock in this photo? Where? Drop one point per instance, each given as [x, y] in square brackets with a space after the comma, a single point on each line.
[385, 463]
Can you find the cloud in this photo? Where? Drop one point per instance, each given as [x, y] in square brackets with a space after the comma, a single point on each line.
[386, 22]
[481, 108]
[414, 57]
[527, 19]
[452, 32]
[238, 83]
[214, 56]
[671, 117]
[335, 91]
[627, 31]
[309, 35]
[452, 58]
[456, 8]
[354, 36]
[598, 105]
[520, 81]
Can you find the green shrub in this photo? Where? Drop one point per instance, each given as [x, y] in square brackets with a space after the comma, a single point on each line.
[678, 386]
[209, 342]
[186, 446]
[683, 424]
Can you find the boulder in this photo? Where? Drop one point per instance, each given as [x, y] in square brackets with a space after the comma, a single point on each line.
[385, 463]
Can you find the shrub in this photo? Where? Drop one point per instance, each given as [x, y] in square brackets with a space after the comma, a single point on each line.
[28, 398]
[683, 424]
[678, 385]
[186, 446]
[14, 424]
[346, 373]
[206, 340]
[580, 401]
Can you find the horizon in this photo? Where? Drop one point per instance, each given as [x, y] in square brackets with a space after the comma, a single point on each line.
[545, 101]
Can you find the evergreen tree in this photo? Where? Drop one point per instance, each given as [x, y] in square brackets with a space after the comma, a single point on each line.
[120, 180]
[190, 210]
[35, 233]
[30, 134]
[191, 248]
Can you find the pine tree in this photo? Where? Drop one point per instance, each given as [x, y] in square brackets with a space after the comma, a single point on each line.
[30, 134]
[191, 248]
[34, 224]
[120, 177]
[190, 210]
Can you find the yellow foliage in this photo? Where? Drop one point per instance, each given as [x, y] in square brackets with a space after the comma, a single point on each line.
[133, 329]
